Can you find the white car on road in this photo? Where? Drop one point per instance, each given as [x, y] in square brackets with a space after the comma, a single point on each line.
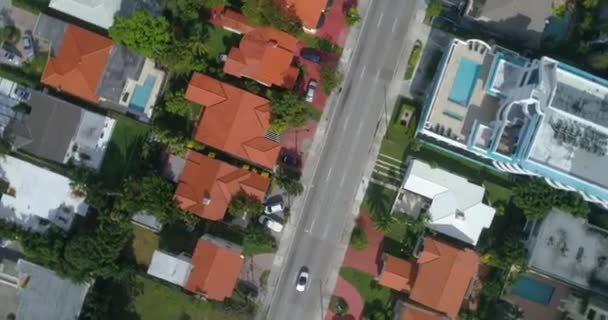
[302, 279]
[270, 223]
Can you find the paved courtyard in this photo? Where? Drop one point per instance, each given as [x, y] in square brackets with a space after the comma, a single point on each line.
[368, 259]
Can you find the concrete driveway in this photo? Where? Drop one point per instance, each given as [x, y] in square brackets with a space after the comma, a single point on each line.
[253, 269]
[21, 19]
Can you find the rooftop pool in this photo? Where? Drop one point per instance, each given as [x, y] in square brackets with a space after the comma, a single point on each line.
[464, 82]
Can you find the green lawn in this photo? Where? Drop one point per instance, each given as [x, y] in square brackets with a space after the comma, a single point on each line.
[220, 41]
[124, 150]
[399, 137]
[497, 193]
[376, 298]
[412, 61]
[144, 243]
[29, 73]
[162, 302]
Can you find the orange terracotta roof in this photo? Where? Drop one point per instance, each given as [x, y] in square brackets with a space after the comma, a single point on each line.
[415, 314]
[215, 270]
[264, 55]
[230, 20]
[79, 64]
[309, 11]
[443, 276]
[209, 180]
[233, 120]
[397, 274]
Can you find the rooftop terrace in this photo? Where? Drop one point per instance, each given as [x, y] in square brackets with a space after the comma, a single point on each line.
[461, 98]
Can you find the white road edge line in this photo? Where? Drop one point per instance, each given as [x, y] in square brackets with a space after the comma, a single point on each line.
[394, 26]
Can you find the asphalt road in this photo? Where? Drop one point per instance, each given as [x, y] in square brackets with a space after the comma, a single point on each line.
[329, 199]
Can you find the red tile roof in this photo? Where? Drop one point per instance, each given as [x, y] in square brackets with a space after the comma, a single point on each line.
[264, 55]
[415, 314]
[443, 276]
[230, 19]
[397, 274]
[309, 11]
[79, 64]
[233, 120]
[215, 270]
[204, 178]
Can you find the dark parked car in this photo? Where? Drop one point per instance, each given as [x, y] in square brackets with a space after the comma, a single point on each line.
[310, 55]
[290, 160]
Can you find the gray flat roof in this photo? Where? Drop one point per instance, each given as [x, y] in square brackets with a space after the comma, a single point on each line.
[521, 20]
[122, 65]
[50, 29]
[571, 250]
[47, 296]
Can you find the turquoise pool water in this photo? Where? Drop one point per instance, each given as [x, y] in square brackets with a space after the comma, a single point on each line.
[533, 290]
[141, 94]
[464, 82]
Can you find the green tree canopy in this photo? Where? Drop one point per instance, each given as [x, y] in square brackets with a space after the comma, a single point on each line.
[257, 240]
[289, 180]
[536, 199]
[177, 104]
[243, 203]
[330, 77]
[288, 110]
[151, 193]
[352, 16]
[276, 13]
[142, 33]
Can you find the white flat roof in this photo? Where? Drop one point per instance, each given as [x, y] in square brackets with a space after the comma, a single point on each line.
[37, 192]
[170, 268]
[450, 194]
[98, 12]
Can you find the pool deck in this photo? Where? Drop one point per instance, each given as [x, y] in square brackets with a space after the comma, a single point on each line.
[482, 107]
[533, 310]
[147, 70]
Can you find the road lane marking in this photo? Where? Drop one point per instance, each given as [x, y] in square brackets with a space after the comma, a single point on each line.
[394, 25]
[380, 19]
[312, 225]
[328, 174]
[362, 72]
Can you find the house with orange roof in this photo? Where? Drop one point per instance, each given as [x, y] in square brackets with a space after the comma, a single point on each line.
[78, 64]
[230, 20]
[217, 264]
[206, 186]
[89, 66]
[439, 279]
[211, 273]
[233, 120]
[310, 12]
[264, 55]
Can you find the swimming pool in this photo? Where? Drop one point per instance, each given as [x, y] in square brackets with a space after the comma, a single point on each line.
[141, 94]
[464, 82]
[533, 290]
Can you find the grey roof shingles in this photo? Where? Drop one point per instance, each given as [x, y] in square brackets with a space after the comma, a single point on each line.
[47, 296]
[49, 128]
